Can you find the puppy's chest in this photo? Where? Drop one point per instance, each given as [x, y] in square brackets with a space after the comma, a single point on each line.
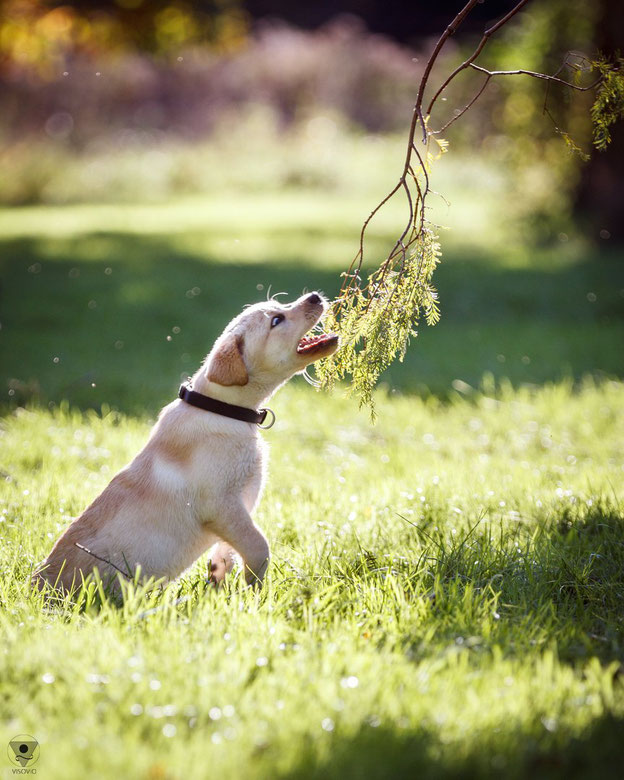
[231, 467]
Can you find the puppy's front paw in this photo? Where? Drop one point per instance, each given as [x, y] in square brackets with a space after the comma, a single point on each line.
[223, 561]
[217, 570]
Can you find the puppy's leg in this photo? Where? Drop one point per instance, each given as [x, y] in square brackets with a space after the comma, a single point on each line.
[240, 532]
[224, 559]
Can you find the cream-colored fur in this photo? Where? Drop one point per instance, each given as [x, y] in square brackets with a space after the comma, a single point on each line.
[198, 478]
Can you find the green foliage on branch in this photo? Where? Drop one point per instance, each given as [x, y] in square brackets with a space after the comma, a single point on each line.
[375, 323]
[608, 106]
[375, 319]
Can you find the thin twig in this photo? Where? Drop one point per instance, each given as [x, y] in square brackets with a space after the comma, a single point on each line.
[465, 108]
[543, 76]
[109, 563]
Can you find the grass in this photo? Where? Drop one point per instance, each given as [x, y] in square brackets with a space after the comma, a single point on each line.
[96, 298]
[446, 592]
[445, 600]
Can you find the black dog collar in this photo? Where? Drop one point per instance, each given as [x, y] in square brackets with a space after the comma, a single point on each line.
[227, 410]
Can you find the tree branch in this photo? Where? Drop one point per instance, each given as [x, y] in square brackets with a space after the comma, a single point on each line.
[486, 36]
[356, 264]
[376, 316]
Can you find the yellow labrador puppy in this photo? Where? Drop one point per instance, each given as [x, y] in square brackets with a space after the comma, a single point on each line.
[198, 478]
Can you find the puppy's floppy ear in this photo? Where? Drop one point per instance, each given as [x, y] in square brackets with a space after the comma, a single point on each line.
[226, 365]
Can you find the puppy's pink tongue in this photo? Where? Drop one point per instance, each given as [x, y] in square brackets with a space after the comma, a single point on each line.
[308, 342]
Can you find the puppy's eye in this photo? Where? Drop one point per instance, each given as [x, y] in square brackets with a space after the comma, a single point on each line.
[277, 319]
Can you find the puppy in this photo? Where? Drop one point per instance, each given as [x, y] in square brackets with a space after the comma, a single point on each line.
[198, 478]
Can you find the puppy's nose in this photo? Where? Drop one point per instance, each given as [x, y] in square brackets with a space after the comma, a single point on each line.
[313, 299]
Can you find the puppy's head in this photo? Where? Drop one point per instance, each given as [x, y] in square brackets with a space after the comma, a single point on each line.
[267, 343]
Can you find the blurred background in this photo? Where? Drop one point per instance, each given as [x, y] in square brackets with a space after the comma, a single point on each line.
[163, 163]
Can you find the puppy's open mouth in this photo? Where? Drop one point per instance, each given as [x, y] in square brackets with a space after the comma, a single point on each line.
[311, 344]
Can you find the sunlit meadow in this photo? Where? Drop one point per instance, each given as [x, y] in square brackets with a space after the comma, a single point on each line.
[446, 591]
[445, 599]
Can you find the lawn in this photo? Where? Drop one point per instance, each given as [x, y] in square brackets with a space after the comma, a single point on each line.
[445, 600]
[446, 593]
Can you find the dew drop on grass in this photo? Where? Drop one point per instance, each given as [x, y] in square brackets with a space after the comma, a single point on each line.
[327, 724]
[169, 730]
[214, 713]
[48, 678]
[168, 338]
[136, 709]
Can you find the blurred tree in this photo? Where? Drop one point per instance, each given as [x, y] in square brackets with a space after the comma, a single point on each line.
[528, 118]
[600, 193]
[40, 36]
